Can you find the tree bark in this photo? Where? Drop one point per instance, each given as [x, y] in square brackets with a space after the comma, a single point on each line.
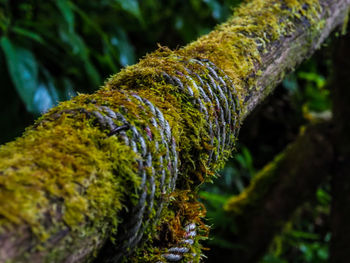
[65, 183]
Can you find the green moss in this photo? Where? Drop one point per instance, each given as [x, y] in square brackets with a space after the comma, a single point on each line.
[237, 47]
[66, 172]
[182, 209]
[261, 184]
[49, 183]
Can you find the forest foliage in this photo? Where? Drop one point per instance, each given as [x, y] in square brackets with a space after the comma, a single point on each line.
[53, 50]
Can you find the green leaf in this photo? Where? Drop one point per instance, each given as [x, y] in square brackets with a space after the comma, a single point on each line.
[223, 243]
[216, 9]
[323, 197]
[248, 159]
[131, 6]
[111, 53]
[42, 100]
[322, 253]
[69, 92]
[27, 33]
[216, 200]
[67, 13]
[291, 83]
[318, 79]
[80, 49]
[305, 235]
[23, 70]
[69, 36]
[46, 96]
[74, 41]
[92, 73]
[125, 48]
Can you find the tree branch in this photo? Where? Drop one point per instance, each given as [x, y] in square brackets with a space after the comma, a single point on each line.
[112, 163]
[262, 210]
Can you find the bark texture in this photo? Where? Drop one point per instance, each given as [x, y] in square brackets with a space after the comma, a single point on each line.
[124, 162]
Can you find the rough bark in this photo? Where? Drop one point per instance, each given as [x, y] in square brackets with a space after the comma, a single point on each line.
[291, 50]
[282, 186]
[65, 183]
[340, 212]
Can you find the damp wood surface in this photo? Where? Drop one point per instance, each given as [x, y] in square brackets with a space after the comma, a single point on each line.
[66, 183]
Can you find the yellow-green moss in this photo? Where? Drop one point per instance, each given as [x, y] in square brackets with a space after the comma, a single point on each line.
[237, 47]
[67, 170]
[54, 169]
[260, 185]
[182, 209]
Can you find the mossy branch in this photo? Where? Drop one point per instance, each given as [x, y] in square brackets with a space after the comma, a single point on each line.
[123, 162]
[291, 179]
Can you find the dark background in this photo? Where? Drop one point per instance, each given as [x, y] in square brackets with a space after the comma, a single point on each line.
[53, 50]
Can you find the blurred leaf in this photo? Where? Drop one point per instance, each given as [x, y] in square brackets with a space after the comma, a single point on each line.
[131, 6]
[67, 13]
[4, 19]
[273, 259]
[110, 53]
[92, 73]
[323, 197]
[228, 174]
[37, 93]
[245, 160]
[241, 160]
[215, 214]
[314, 77]
[46, 95]
[216, 9]
[69, 92]
[302, 234]
[223, 243]
[126, 50]
[23, 70]
[291, 83]
[322, 253]
[27, 33]
[69, 36]
[217, 200]
[80, 49]
[248, 160]
[42, 100]
[318, 100]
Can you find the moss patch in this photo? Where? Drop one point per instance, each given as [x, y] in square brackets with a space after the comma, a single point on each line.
[67, 172]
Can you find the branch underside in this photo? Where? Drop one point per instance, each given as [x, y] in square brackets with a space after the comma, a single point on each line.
[147, 139]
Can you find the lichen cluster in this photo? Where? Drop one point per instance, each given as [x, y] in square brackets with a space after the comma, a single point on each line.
[70, 171]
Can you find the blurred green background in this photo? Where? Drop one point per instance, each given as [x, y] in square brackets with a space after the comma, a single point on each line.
[53, 50]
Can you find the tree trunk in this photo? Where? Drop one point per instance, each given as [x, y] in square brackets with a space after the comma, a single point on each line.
[123, 162]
